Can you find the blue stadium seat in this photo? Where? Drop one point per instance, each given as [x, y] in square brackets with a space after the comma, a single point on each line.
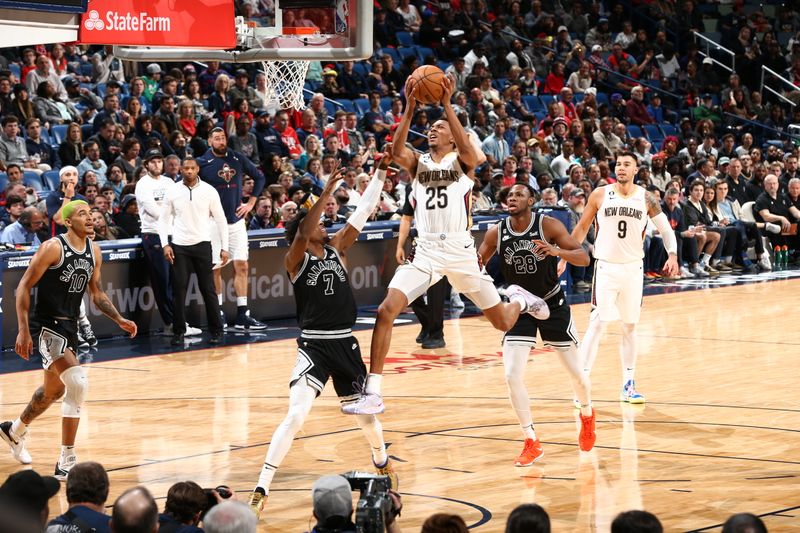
[100, 89]
[577, 98]
[405, 39]
[17, 71]
[405, 52]
[653, 133]
[33, 180]
[386, 104]
[86, 69]
[634, 131]
[3, 180]
[423, 53]
[361, 67]
[86, 131]
[444, 65]
[345, 104]
[51, 180]
[533, 102]
[602, 98]
[546, 99]
[668, 130]
[331, 107]
[394, 53]
[362, 105]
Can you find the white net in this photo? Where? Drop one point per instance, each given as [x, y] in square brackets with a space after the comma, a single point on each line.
[285, 80]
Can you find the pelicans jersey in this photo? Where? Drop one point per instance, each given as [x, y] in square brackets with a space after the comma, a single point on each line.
[621, 223]
[441, 194]
[619, 249]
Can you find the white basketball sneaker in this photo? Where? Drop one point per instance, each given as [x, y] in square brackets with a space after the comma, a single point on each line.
[534, 305]
[367, 404]
[16, 442]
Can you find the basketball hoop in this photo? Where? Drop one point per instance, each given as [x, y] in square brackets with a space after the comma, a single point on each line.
[285, 78]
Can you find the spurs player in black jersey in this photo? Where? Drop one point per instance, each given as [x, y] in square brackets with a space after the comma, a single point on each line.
[326, 312]
[529, 245]
[62, 269]
[441, 193]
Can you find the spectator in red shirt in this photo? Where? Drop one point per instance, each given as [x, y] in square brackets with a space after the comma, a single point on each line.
[636, 110]
[555, 80]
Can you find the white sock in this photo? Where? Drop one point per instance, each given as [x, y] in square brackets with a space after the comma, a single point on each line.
[301, 397]
[517, 298]
[627, 352]
[219, 298]
[67, 451]
[727, 259]
[18, 427]
[373, 431]
[374, 384]
[515, 359]
[241, 301]
[704, 258]
[581, 385]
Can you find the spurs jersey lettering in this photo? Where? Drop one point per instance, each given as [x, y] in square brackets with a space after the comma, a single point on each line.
[521, 265]
[322, 293]
[442, 196]
[61, 287]
[620, 225]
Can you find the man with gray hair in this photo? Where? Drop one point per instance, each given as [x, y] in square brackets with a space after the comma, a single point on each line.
[230, 516]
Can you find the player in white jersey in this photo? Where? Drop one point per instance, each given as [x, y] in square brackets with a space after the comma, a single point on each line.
[620, 212]
[442, 197]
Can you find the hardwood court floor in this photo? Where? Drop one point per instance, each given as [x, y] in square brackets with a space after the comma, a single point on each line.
[718, 435]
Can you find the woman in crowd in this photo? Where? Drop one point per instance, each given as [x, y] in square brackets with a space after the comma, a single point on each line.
[70, 151]
[129, 158]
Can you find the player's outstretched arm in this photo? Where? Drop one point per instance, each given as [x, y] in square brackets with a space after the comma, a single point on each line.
[466, 150]
[101, 300]
[671, 267]
[298, 247]
[346, 236]
[46, 256]
[401, 154]
[489, 244]
[566, 246]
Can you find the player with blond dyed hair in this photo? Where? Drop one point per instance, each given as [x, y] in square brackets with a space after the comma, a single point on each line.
[62, 270]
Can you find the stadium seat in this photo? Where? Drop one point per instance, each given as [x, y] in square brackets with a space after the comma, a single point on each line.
[345, 104]
[634, 131]
[423, 53]
[17, 71]
[668, 130]
[406, 52]
[602, 98]
[386, 104]
[547, 99]
[86, 69]
[444, 65]
[533, 102]
[577, 98]
[33, 180]
[361, 68]
[100, 89]
[653, 133]
[51, 180]
[362, 105]
[405, 39]
[331, 106]
[394, 53]
[3, 180]
[86, 131]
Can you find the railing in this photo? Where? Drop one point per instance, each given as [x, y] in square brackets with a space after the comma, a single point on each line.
[767, 70]
[677, 96]
[709, 45]
[793, 136]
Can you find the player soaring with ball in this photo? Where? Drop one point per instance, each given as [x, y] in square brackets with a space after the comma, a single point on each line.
[441, 194]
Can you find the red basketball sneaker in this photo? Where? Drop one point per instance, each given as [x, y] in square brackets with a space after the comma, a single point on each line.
[531, 453]
[587, 435]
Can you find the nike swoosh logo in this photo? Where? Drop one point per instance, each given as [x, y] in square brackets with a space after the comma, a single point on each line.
[467, 246]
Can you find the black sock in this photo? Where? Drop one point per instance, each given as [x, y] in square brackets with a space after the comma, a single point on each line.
[241, 310]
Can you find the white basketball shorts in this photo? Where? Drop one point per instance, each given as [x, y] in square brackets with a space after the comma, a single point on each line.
[237, 241]
[431, 259]
[617, 291]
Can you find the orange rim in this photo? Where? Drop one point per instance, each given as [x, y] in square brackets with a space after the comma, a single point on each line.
[300, 30]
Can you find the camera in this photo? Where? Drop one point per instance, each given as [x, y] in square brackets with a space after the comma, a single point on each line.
[374, 501]
[211, 500]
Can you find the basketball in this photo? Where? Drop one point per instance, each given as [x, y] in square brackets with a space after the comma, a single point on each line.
[428, 81]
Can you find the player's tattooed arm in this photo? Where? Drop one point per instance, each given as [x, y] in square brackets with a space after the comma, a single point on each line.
[653, 205]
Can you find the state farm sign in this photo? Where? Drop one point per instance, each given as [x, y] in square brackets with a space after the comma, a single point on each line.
[189, 23]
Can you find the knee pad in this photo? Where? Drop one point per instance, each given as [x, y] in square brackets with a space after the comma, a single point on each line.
[76, 384]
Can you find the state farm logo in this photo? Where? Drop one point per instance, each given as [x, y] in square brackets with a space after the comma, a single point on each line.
[115, 21]
[94, 22]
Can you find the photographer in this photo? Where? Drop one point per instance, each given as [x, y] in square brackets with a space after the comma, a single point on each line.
[186, 502]
[333, 507]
